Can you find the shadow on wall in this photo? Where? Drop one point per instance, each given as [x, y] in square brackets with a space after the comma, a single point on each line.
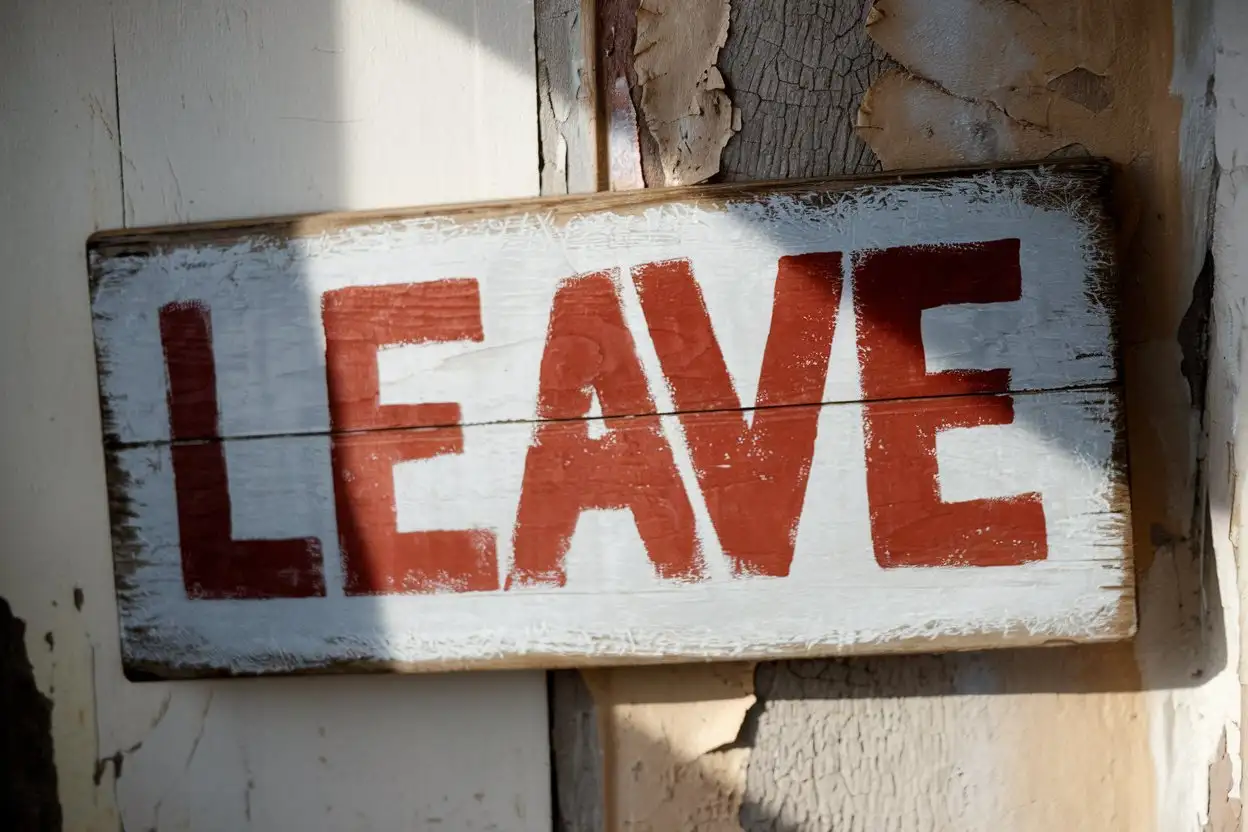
[28, 796]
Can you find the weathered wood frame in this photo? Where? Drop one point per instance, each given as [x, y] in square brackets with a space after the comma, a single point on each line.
[136, 244]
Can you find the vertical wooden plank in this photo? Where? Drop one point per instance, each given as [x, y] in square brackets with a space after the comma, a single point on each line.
[622, 136]
[567, 96]
[231, 109]
[244, 109]
[577, 757]
[60, 168]
[570, 118]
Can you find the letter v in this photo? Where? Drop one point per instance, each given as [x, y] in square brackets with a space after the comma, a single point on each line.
[752, 472]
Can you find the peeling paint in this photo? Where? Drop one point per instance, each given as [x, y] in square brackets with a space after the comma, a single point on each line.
[1224, 808]
[683, 99]
[1085, 87]
[1228, 348]
[1100, 738]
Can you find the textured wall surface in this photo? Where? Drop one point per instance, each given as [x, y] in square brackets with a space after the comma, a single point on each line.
[152, 112]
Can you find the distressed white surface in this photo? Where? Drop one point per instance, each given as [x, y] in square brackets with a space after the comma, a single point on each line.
[307, 755]
[59, 165]
[1216, 710]
[269, 342]
[613, 605]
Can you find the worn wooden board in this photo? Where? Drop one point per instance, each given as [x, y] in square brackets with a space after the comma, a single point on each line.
[796, 419]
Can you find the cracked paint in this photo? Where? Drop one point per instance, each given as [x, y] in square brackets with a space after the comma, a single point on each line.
[1224, 808]
[1228, 351]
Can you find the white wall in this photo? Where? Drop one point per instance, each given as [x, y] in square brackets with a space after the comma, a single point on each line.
[153, 112]
[1228, 349]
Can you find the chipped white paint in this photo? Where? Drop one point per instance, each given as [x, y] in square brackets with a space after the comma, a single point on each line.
[264, 296]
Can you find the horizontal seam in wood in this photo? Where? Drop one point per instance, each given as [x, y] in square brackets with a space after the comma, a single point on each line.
[1110, 387]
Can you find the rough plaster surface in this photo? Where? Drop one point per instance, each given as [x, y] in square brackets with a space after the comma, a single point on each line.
[903, 743]
[933, 743]
[1091, 738]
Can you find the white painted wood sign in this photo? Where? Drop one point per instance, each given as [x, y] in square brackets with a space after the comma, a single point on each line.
[799, 419]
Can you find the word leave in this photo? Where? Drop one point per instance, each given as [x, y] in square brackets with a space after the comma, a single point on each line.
[724, 422]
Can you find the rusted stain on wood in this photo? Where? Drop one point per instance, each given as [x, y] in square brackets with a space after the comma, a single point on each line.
[625, 141]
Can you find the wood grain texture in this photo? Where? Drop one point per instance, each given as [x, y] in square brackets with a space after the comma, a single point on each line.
[835, 600]
[567, 95]
[628, 151]
[533, 435]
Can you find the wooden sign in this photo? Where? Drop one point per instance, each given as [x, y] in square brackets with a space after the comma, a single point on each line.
[725, 422]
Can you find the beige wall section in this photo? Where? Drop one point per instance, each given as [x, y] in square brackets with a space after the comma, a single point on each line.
[1120, 737]
[229, 109]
